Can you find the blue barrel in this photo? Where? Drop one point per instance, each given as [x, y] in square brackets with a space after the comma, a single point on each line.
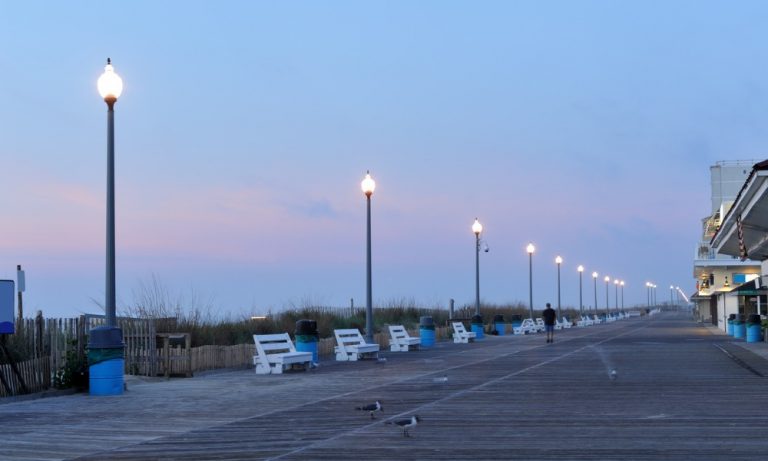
[106, 361]
[106, 378]
[739, 328]
[307, 337]
[427, 331]
[754, 330]
[477, 326]
[499, 325]
[729, 329]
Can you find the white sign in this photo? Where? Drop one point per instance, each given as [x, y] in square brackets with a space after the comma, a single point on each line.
[6, 306]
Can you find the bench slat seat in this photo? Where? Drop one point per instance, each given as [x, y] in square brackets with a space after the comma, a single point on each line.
[351, 346]
[276, 351]
[460, 333]
[527, 326]
[400, 340]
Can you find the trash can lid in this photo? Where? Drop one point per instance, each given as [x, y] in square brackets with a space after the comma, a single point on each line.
[105, 337]
[477, 318]
[498, 318]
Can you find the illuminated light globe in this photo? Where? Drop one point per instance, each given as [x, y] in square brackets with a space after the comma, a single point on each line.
[477, 228]
[110, 84]
[368, 185]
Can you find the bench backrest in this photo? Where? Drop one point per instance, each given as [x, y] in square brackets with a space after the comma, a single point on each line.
[273, 344]
[458, 327]
[398, 332]
[348, 337]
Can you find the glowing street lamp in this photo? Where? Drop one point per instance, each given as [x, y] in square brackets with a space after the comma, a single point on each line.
[368, 186]
[622, 294]
[616, 289]
[594, 279]
[530, 249]
[558, 261]
[477, 229]
[110, 87]
[648, 293]
[607, 305]
[581, 286]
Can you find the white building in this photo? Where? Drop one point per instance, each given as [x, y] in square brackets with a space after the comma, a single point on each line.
[743, 233]
[718, 272]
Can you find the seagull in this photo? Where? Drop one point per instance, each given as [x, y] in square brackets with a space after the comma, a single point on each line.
[441, 380]
[614, 374]
[406, 424]
[373, 407]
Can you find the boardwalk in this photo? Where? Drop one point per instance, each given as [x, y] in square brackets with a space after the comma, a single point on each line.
[682, 392]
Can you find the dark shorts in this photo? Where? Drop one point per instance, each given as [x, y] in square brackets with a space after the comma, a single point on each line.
[549, 328]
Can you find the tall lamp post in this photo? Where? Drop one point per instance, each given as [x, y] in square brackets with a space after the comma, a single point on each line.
[368, 186]
[530, 249]
[671, 295]
[616, 297]
[648, 293]
[622, 294]
[558, 261]
[594, 279]
[110, 87]
[106, 378]
[581, 286]
[477, 228]
[607, 304]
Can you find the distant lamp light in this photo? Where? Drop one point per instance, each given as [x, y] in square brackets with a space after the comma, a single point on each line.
[110, 84]
[595, 275]
[580, 268]
[477, 228]
[368, 185]
[530, 248]
[558, 260]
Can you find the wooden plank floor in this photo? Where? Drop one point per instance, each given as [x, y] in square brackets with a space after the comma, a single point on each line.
[681, 393]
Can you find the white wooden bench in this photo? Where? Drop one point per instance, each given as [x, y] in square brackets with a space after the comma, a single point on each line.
[461, 335]
[596, 320]
[274, 352]
[540, 324]
[400, 340]
[584, 322]
[350, 346]
[525, 327]
[566, 323]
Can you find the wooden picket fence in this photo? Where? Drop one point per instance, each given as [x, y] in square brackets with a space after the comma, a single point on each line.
[50, 343]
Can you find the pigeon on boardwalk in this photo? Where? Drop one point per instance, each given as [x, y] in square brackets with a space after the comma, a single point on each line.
[406, 424]
[614, 374]
[374, 407]
[441, 380]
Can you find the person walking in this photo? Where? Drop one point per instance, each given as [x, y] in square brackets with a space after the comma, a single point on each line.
[550, 317]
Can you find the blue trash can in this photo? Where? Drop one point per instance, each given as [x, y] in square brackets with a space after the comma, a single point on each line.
[307, 337]
[729, 328]
[739, 327]
[499, 325]
[106, 361]
[754, 329]
[427, 331]
[477, 326]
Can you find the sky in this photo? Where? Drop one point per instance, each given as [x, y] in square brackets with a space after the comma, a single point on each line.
[245, 128]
